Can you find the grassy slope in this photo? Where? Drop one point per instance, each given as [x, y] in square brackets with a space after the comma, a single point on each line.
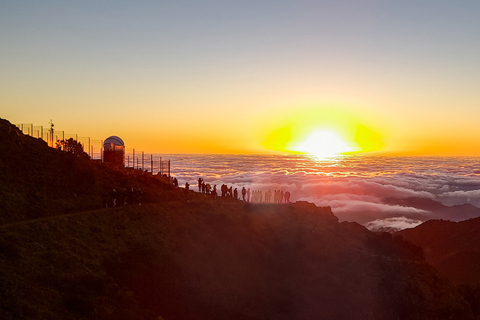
[208, 260]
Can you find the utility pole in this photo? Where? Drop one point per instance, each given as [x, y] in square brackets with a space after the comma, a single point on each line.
[51, 132]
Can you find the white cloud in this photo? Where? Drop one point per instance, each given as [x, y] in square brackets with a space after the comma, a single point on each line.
[461, 197]
[392, 224]
[352, 188]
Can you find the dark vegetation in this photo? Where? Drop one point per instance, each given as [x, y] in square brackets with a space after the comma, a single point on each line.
[38, 181]
[202, 259]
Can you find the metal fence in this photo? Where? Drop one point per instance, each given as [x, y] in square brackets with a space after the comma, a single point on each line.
[134, 159]
[146, 162]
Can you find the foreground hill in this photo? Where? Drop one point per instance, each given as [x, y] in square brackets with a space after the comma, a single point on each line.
[208, 260]
[452, 247]
[61, 257]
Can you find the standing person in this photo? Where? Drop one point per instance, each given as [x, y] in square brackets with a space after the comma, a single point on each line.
[248, 195]
[244, 192]
[214, 191]
[114, 198]
[187, 189]
[139, 196]
[235, 194]
[287, 197]
[200, 180]
[105, 200]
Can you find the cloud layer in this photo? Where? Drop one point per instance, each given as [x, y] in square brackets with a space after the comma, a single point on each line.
[357, 188]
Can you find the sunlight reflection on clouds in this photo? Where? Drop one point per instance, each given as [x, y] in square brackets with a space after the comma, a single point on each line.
[350, 185]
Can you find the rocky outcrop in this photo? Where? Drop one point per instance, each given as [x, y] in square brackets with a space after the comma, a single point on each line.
[452, 247]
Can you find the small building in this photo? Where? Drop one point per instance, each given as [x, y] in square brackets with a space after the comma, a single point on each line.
[114, 151]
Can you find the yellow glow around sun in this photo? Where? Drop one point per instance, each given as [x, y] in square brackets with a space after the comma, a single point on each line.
[324, 131]
[324, 144]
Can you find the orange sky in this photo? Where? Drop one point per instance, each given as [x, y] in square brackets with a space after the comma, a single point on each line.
[247, 77]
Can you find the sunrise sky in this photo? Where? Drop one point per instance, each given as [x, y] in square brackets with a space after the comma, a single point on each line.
[247, 76]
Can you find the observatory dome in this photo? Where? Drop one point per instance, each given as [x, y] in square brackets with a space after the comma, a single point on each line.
[113, 142]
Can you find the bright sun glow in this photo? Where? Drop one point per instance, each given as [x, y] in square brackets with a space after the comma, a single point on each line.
[324, 144]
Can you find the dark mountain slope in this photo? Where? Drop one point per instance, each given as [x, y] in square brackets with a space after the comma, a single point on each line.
[453, 213]
[38, 181]
[207, 260]
[452, 247]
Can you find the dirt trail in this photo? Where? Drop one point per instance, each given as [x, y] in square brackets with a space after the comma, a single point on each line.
[66, 215]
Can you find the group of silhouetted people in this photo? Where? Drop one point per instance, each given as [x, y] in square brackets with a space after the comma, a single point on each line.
[279, 196]
[122, 198]
[203, 187]
[255, 196]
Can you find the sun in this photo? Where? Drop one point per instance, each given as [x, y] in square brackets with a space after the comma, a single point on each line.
[324, 144]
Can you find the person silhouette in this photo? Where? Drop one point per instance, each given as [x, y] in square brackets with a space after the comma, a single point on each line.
[186, 190]
[287, 197]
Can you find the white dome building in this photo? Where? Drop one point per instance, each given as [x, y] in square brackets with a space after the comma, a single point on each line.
[113, 142]
[114, 151]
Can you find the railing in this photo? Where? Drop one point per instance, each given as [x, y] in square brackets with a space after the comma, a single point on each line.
[135, 159]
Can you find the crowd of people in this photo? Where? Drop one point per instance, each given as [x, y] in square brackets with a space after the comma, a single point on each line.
[259, 196]
[122, 198]
[132, 196]
[247, 195]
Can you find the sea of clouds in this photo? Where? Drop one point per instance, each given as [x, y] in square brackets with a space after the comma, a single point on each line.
[371, 190]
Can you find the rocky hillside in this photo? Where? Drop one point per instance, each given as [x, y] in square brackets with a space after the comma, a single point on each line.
[200, 258]
[452, 247]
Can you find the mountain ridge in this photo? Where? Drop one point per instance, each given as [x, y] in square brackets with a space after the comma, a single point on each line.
[191, 256]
